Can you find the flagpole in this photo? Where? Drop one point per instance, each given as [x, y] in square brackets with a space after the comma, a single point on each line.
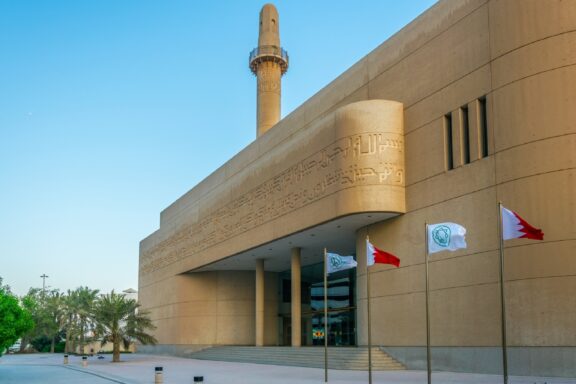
[369, 326]
[325, 317]
[428, 363]
[502, 298]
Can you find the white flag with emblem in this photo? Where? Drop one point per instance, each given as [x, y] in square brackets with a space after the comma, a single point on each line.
[335, 262]
[446, 237]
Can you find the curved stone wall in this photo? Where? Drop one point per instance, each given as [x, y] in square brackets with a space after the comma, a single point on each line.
[534, 72]
[348, 162]
[521, 57]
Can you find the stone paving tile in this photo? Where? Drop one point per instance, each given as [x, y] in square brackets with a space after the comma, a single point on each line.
[40, 374]
[138, 368]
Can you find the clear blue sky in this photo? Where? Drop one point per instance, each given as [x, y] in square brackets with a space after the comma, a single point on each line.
[112, 109]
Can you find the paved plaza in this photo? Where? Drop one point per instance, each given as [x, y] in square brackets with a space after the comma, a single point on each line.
[138, 368]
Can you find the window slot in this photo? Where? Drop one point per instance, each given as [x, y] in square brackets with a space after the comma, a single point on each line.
[465, 132]
[483, 127]
[448, 141]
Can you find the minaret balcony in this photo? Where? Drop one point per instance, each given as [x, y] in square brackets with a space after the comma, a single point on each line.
[268, 53]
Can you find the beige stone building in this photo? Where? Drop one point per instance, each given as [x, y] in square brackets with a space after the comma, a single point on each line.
[472, 103]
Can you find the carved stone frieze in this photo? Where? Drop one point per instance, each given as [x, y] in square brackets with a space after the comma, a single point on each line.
[364, 159]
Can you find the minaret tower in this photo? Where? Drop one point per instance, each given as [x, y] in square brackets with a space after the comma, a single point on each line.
[268, 62]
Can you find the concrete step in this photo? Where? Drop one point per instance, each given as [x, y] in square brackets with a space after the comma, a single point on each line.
[347, 358]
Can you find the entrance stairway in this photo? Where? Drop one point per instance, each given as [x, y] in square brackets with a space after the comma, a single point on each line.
[347, 358]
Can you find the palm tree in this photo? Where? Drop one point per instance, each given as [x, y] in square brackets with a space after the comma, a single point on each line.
[54, 312]
[69, 319]
[86, 299]
[46, 308]
[78, 317]
[118, 320]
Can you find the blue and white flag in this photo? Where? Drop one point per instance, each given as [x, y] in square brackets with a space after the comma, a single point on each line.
[335, 262]
[446, 237]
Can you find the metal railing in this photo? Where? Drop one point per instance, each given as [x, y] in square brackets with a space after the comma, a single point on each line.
[268, 52]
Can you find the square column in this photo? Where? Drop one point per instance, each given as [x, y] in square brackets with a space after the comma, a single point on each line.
[259, 302]
[296, 299]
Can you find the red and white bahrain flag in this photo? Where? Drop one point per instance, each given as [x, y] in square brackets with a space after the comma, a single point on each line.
[375, 255]
[513, 227]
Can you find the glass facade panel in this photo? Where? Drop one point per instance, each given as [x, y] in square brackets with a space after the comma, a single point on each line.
[341, 329]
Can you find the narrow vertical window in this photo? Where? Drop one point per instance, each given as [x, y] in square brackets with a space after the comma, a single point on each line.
[448, 138]
[465, 134]
[483, 127]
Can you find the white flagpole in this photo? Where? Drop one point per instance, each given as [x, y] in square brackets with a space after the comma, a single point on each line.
[325, 316]
[502, 298]
[369, 322]
[428, 363]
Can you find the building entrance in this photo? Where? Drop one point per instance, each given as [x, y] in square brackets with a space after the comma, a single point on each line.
[341, 327]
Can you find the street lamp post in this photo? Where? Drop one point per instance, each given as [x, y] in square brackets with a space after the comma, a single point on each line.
[44, 276]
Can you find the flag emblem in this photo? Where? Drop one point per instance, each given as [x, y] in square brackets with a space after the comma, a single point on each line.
[441, 235]
[336, 262]
[446, 237]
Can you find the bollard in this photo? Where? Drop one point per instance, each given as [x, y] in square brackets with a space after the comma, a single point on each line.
[198, 379]
[158, 376]
[84, 361]
[65, 359]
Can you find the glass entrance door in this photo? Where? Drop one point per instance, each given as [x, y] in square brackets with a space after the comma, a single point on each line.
[341, 327]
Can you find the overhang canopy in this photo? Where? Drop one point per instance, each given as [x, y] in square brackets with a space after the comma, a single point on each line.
[335, 171]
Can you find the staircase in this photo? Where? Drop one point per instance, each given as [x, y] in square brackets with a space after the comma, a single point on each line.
[347, 358]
